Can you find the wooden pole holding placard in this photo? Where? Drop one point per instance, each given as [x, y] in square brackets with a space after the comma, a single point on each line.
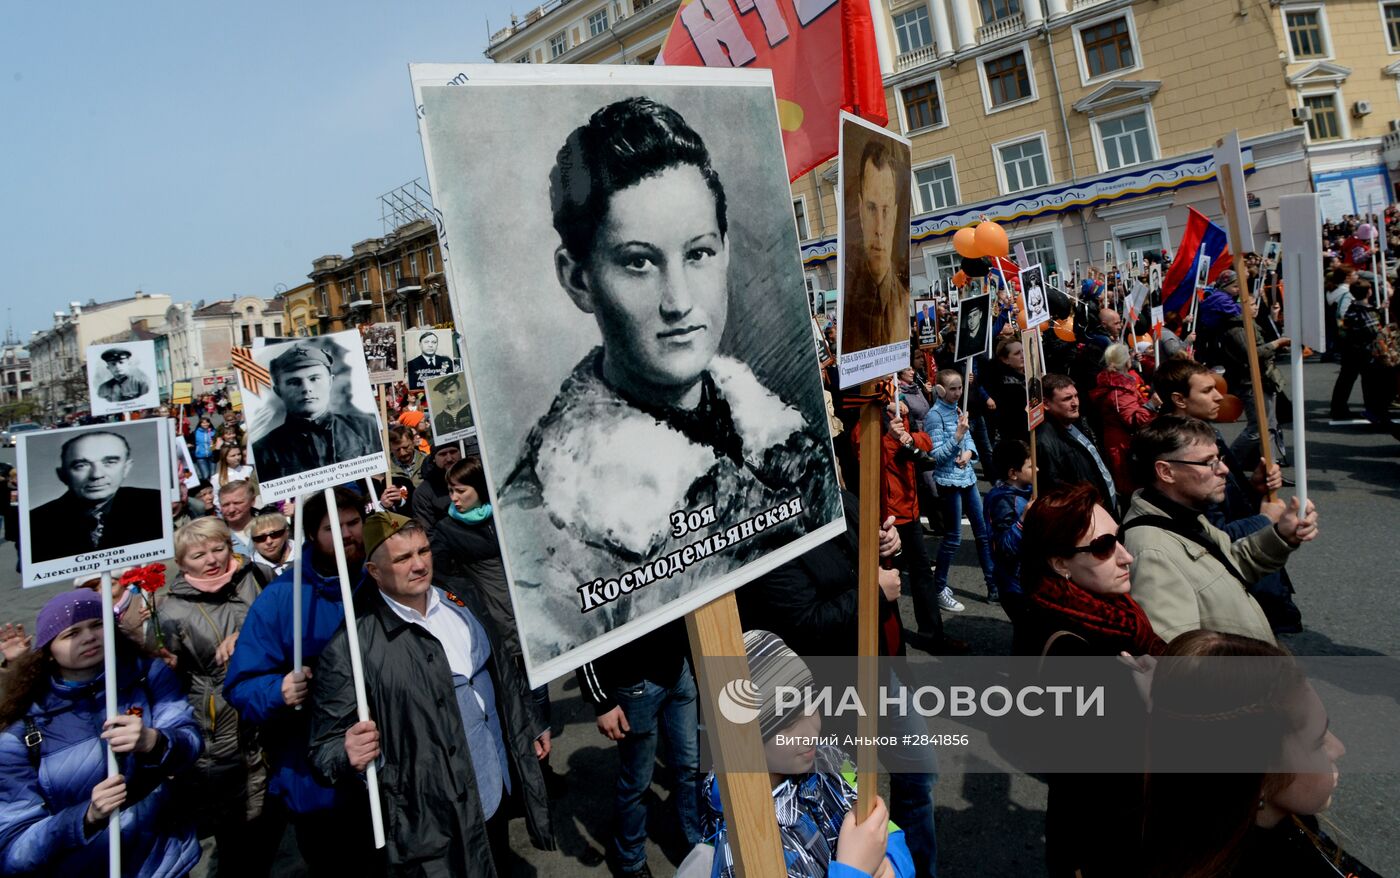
[109, 670]
[868, 599]
[296, 523]
[746, 796]
[1035, 470]
[357, 670]
[1261, 414]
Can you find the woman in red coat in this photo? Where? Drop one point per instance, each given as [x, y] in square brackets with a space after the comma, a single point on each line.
[1123, 404]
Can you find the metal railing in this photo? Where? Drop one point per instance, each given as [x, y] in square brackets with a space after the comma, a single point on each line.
[916, 57]
[1001, 27]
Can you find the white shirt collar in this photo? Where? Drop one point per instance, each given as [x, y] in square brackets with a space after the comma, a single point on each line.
[409, 614]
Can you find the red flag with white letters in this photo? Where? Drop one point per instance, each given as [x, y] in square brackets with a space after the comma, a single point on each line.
[822, 54]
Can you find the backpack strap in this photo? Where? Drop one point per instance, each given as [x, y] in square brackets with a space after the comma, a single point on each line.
[33, 742]
[1176, 527]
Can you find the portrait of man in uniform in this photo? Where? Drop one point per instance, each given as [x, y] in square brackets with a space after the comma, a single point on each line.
[127, 381]
[97, 509]
[429, 363]
[119, 377]
[321, 425]
[875, 306]
[451, 411]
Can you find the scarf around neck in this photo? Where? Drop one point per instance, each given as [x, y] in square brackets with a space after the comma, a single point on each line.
[1116, 618]
[471, 516]
[211, 584]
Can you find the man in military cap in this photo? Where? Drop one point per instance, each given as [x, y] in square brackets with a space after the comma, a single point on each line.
[451, 412]
[311, 436]
[127, 382]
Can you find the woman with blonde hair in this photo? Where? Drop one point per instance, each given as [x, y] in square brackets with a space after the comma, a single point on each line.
[200, 620]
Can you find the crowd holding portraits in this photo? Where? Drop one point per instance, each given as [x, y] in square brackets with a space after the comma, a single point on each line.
[316, 419]
[691, 397]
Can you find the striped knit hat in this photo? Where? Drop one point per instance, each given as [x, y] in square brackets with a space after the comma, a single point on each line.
[773, 664]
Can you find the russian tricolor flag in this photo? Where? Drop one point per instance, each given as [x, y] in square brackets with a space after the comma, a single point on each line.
[1201, 238]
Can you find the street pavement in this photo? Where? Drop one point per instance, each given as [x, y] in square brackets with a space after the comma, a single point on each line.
[992, 824]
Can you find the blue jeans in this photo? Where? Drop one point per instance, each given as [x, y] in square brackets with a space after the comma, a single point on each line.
[671, 712]
[956, 502]
[205, 466]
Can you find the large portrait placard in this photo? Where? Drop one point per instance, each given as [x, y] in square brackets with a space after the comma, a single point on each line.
[637, 339]
[93, 498]
[316, 425]
[872, 329]
[974, 336]
[449, 410]
[122, 377]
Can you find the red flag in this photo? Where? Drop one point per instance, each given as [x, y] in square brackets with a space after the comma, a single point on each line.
[822, 54]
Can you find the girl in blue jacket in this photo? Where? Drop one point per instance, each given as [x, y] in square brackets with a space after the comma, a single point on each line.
[952, 454]
[56, 800]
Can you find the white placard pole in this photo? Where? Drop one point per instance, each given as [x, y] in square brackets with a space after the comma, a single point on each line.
[357, 670]
[109, 671]
[1293, 322]
[296, 524]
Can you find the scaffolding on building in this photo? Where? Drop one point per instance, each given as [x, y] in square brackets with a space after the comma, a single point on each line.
[408, 203]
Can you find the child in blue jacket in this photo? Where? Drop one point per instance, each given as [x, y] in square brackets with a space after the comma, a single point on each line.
[952, 454]
[1006, 506]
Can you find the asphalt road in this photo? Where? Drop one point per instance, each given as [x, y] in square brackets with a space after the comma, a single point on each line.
[992, 824]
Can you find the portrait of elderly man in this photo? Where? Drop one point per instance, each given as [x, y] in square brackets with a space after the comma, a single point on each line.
[127, 381]
[655, 419]
[428, 364]
[447, 397]
[98, 510]
[315, 433]
[876, 307]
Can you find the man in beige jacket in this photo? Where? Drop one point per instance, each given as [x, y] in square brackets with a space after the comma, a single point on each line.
[1188, 575]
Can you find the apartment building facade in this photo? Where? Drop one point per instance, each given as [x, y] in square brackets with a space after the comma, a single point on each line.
[395, 277]
[585, 32]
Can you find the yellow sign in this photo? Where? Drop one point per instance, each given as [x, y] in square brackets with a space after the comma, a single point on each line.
[182, 394]
[235, 398]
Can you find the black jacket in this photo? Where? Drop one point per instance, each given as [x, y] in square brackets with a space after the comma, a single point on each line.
[432, 810]
[657, 657]
[430, 498]
[1063, 461]
[467, 562]
[1007, 388]
[60, 527]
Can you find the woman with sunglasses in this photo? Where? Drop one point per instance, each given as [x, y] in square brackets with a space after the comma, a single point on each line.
[1075, 575]
[200, 619]
[272, 546]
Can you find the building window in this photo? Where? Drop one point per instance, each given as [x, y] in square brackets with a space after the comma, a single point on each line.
[1392, 25]
[1108, 46]
[923, 106]
[257, 330]
[277, 328]
[934, 187]
[1125, 140]
[911, 29]
[996, 10]
[799, 210]
[432, 261]
[364, 279]
[1023, 165]
[1008, 79]
[247, 335]
[944, 266]
[1040, 248]
[398, 274]
[384, 277]
[1305, 33]
[421, 321]
[413, 265]
[523, 59]
[557, 45]
[1326, 123]
[598, 22]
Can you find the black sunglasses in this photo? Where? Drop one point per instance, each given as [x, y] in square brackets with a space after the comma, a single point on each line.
[1101, 547]
[270, 535]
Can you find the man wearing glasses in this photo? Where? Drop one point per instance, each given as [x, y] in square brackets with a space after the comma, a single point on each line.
[1187, 573]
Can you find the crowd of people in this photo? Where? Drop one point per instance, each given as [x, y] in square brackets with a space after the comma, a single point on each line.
[1135, 530]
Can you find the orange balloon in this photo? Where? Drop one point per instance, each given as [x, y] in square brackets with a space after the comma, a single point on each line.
[991, 239]
[1231, 407]
[960, 279]
[965, 242]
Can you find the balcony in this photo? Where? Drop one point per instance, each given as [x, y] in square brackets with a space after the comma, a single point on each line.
[916, 57]
[1002, 27]
[361, 303]
[409, 285]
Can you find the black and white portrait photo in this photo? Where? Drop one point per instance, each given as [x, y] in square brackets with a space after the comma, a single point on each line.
[430, 354]
[449, 410]
[121, 377]
[315, 426]
[926, 322]
[974, 337]
[673, 444]
[1036, 300]
[1203, 272]
[873, 256]
[94, 497]
[382, 350]
[1033, 359]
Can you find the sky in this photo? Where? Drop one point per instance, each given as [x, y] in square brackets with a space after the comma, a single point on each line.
[201, 150]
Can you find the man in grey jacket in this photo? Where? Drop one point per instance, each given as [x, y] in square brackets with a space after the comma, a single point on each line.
[1188, 574]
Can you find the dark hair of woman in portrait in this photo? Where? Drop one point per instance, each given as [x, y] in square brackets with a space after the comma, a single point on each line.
[1244, 704]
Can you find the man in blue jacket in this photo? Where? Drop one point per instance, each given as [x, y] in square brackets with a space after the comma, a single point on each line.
[267, 691]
